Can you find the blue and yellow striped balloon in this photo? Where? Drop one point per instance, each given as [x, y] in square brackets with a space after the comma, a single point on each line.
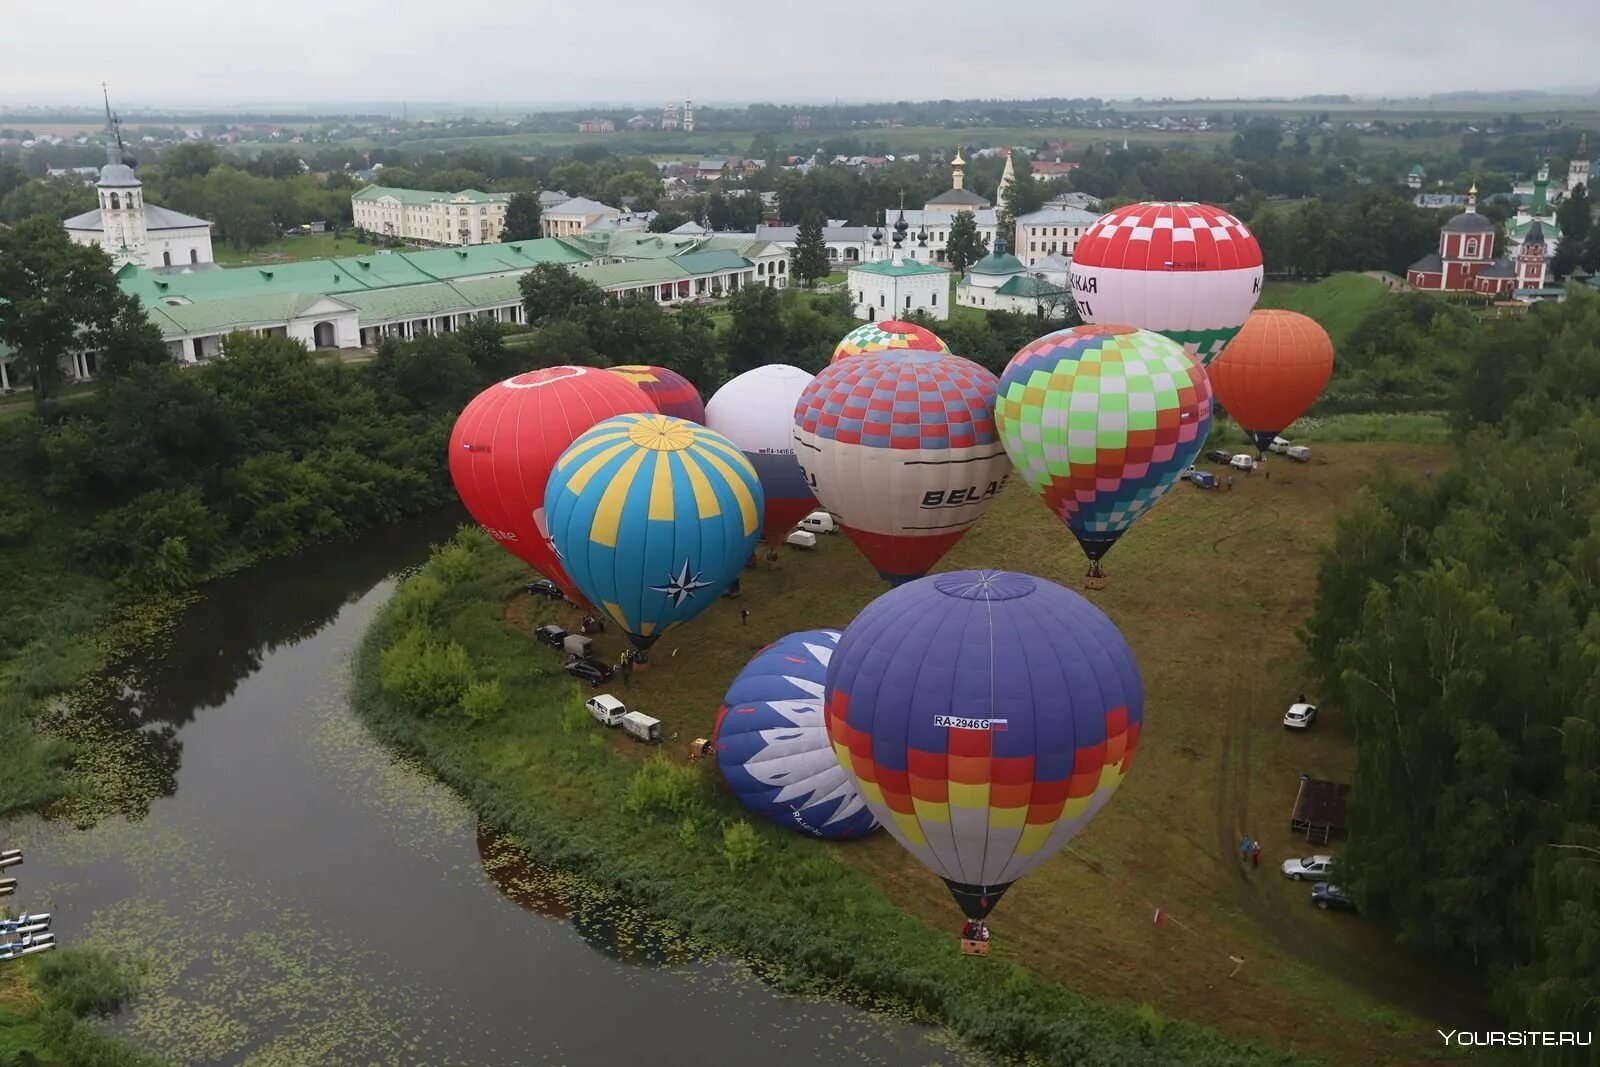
[653, 518]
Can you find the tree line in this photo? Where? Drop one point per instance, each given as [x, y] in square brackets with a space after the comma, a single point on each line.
[1457, 625]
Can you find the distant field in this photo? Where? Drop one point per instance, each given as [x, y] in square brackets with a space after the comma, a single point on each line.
[323, 246]
[1338, 303]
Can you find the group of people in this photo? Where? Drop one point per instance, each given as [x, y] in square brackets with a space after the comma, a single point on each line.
[974, 930]
[1249, 851]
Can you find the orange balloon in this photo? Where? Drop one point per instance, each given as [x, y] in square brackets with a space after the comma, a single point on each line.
[1272, 371]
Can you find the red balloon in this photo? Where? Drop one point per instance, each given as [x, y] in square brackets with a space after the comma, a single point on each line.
[507, 440]
[669, 391]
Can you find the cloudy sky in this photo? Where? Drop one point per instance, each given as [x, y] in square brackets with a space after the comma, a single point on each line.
[198, 52]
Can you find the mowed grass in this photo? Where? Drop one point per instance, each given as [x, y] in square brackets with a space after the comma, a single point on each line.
[312, 246]
[1208, 589]
[1339, 303]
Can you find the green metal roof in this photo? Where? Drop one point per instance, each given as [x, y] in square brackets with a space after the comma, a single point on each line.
[712, 262]
[904, 268]
[428, 196]
[407, 302]
[1030, 287]
[244, 311]
[638, 272]
[1520, 230]
[999, 263]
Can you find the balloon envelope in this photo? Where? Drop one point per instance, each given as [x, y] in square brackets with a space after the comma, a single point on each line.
[1100, 421]
[1272, 372]
[772, 743]
[507, 440]
[669, 391]
[902, 448]
[890, 335]
[987, 717]
[654, 517]
[756, 412]
[1190, 271]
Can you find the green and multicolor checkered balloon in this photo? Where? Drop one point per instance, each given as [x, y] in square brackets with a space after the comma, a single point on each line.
[1100, 421]
[890, 335]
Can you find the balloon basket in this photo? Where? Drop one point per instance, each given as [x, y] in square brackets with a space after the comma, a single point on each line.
[974, 948]
[1094, 581]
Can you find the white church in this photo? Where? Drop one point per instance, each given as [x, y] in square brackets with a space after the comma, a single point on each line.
[130, 229]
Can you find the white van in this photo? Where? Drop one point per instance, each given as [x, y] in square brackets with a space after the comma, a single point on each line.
[577, 645]
[1278, 445]
[606, 709]
[642, 726]
[1243, 462]
[801, 539]
[1298, 453]
[819, 522]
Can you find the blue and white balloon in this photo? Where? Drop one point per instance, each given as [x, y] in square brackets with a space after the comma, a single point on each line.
[772, 742]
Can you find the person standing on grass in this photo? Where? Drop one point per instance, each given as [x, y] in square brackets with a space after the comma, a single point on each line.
[1255, 854]
[744, 616]
[1244, 847]
[1230, 483]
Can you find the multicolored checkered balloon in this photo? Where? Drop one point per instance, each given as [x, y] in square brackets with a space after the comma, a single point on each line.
[1100, 421]
[887, 336]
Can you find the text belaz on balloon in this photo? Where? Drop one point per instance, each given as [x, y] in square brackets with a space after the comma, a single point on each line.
[954, 498]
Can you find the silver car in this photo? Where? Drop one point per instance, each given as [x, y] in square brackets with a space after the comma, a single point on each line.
[1309, 869]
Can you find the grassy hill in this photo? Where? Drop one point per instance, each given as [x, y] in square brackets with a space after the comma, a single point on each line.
[1339, 303]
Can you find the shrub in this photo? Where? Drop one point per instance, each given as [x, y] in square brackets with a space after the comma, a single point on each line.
[452, 563]
[1152, 1021]
[483, 700]
[740, 846]
[85, 982]
[417, 602]
[662, 788]
[688, 832]
[424, 676]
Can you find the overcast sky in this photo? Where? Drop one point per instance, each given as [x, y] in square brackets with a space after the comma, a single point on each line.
[196, 52]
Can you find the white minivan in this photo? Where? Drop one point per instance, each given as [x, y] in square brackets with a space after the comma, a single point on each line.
[819, 522]
[606, 709]
[1278, 445]
[1243, 462]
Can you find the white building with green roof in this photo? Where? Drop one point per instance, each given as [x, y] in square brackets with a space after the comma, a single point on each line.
[470, 217]
[1000, 282]
[893, 288]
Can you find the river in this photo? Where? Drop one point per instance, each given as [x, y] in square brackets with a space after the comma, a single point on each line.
[301, 896]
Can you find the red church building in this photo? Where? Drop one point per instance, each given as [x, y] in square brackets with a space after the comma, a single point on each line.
[1466, 263]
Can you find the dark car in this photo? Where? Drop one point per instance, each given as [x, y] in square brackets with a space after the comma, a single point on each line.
[1326, 895]
[587, 670]
[550, 634]
[546, 588]
[1217, 455]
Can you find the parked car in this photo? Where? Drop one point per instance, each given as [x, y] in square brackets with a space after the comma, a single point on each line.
[1298, 453]
[1203, 480]
[819, 522]
[588, 670]
[606, 709]
[551, 634]
[1217, 455]
[1309, 869]
[1243, 461]
[1326, 895]
[1300, 716]
[1278, 445]
[546, 588]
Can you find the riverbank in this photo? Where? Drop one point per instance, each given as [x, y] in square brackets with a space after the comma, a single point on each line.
[47, 1002]
[660, 831]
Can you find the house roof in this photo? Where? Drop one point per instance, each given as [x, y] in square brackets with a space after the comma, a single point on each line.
[581, 205]
[1052, 263]
[960, 198]
[1500, 268]
[156, 217]
[999, 263]
[1518, 229]
[428, 196]
[1026, 286]
[214, 315]
[1431, 263]
[1059, 216]
[711, 262]
[905, 268]
[1469, 222]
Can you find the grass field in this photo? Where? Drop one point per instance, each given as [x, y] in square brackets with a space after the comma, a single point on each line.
[1338, 303]
[316, 246]
[1208, 589]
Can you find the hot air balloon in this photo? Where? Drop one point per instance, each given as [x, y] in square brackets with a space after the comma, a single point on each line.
[987, 717]
[1190, 271]
[890, 335]
[902, 448]
[508, 438]
[756, 412]
[772, 744]
[1271, 373]
[669, 391]
[653, 517]
[1101, 421]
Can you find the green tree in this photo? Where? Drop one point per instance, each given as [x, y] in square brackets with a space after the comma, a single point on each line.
[522, 218]
[57, 198]
[756, 333]
[194, 160]
[550, 291]
[810, 259]
[667, 221]
[58, 297]
[964, 246]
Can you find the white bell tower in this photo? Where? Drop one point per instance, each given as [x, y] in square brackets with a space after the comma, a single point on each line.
[122, 219]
